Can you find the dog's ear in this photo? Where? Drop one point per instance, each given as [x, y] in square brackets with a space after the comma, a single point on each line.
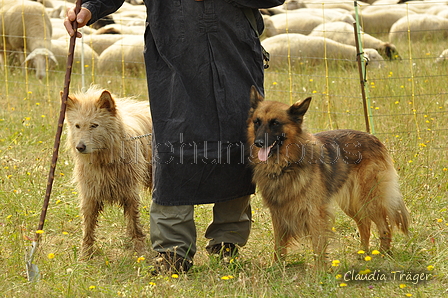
[71, 101]
[255, 98]
[106, 102]
[298, 110]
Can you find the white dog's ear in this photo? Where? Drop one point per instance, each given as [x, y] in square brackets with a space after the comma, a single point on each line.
[106, 102]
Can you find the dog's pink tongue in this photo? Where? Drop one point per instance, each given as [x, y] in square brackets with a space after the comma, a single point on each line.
[263, 153]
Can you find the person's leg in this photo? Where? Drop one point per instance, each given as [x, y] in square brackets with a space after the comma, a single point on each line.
[173, 232]
[232, 221]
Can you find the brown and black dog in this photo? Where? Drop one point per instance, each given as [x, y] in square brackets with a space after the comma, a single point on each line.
[300, 175]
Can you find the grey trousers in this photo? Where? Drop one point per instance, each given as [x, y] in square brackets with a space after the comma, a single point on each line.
[172, 228]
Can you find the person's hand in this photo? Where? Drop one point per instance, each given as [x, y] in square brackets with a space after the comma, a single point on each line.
[82, 18]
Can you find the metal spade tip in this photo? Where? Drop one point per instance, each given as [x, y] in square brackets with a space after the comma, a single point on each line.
[32, 272]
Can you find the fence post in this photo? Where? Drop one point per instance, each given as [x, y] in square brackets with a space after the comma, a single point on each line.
[362, 73]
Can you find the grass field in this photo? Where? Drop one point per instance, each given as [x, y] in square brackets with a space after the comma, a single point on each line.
[409, 106]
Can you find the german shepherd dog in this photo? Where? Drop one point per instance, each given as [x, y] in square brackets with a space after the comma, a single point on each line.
[108, 141]
[300, 175]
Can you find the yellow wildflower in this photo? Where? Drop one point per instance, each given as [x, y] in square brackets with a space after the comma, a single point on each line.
[363, 272]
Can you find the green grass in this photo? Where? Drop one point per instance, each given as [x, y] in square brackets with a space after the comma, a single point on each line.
[409, 115]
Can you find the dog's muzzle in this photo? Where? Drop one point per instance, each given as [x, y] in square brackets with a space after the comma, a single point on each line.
[266, 151]
[81, 147]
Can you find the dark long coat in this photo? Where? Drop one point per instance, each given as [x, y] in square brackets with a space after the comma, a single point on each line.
[201, 59]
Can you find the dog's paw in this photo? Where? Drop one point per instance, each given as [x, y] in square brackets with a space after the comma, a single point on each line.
[140, 246]
[88, 252]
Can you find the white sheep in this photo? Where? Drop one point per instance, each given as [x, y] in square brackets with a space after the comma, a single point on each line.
[269, 28]
[59, 30]
[442, 57]
[125, 54]
[421, 27]
[311, 50]
[424, 6]
[304, 20]
[121, 29]
[345, 33]
[331, 4]
[329, 14]
[295, 22]
[287, 5]
[443, 13]
[101, 42]
[60, 49]
[26, 28]
[380, 19]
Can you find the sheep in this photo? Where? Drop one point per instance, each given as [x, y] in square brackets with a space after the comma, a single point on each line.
[442, 57]
[60, 50]
[328, 4]
[304, 20]
[130, 18]
[329, 14]
[421, 27]
[381, 19]
[27, 29]
[269, 28]
[59, 30]
[423, 6]
[121, 29]
[443, 13]
[101, 42]
[311, 50]
[345, 33]
[288, 5]
[126, 53]
[293, 4]
[295, 22]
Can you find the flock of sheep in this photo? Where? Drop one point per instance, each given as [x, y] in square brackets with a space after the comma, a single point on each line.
[297, 32]
[307, 32]
[32, 32]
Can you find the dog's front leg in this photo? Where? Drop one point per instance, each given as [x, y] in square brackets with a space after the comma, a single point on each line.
[90, 209]
[281, 243]
[320, 242]
[280, 250]
[134, 228]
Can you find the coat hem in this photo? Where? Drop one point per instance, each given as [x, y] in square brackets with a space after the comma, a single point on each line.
[179, 203]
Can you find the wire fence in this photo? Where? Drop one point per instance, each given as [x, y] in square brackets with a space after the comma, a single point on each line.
[406, 94]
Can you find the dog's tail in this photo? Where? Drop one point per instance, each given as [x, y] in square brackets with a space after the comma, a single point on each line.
[398, 213]
[400, 217]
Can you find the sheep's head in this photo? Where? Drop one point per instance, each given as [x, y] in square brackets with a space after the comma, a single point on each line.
[389, 51]
[39, 58]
